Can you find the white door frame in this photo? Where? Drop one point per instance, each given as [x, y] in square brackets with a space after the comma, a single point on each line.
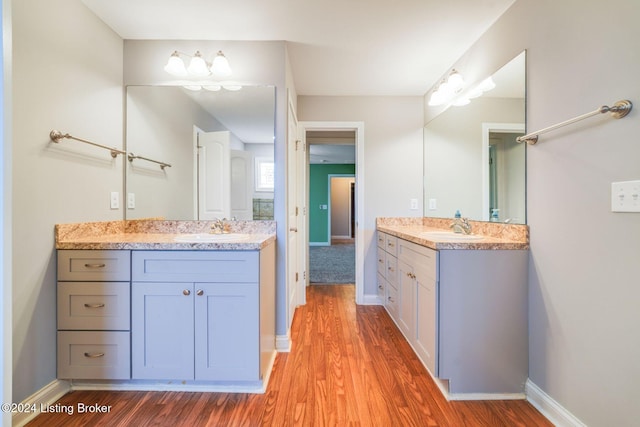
[358, 128]
[487, 128]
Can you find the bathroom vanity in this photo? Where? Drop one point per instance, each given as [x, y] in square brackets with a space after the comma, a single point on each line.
[157, 303]
[460, 301]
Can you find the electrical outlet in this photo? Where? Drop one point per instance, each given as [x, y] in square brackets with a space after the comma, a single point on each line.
[115, 200]
[625, 196]
[432, 204]
[413, 204]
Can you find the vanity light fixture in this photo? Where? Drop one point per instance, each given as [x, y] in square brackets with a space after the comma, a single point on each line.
[448, 89]
[199, 68]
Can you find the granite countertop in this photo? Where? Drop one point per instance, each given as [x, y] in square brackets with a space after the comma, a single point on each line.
[161, 235]
[494, 236]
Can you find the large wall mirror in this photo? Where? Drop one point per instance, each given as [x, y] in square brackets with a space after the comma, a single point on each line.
[472, 162]
[199, 154]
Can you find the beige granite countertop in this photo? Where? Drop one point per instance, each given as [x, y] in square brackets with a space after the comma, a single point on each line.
[160, 235]
[495, 236]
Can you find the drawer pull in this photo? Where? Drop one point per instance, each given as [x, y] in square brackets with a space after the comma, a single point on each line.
[186, 292]
[95, 265]
[93, 355]
[200, 292]
[391, 299]
[94, 305]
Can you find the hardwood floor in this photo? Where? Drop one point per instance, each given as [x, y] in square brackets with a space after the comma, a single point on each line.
[349, 365]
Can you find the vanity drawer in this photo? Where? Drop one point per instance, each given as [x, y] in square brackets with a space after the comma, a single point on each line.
[382, 261]
[424, 260]
[94, 305]
[196, 266]
[381, 287]
[391, 244]
[391, 273]
[391, 302]
[381, 240]
[94, 355]
[88, 265]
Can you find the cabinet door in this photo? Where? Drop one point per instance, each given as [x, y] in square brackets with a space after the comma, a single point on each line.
[227, 346]
[426, 322]
[406, 308]
[162, 333]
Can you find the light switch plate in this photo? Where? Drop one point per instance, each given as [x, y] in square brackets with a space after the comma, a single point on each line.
[433, 204]
[131, 200]
[115, 200]
[414, 204]
[625, 196]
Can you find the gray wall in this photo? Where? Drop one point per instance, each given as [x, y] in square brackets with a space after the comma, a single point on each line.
[67, 75]
[583, 276]
[392, 153]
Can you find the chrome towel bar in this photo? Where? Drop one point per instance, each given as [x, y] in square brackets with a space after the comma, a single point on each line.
[619, 110]
[132, 157]
[56, 136]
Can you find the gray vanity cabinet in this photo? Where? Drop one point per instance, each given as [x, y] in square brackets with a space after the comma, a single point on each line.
[418, 314]
[388, 272]
[196, 315]
[464, 312]
[93, 314]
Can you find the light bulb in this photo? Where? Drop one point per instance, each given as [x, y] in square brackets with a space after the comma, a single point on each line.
[436, 99]
[220, 66]
[455, 81]
[212, 88]
[192, 87]
[175, 65]
[487, 84]
[232, 88]
[197, 66]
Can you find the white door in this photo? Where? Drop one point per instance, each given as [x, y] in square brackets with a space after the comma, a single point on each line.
[293, 209]
[242, 184]
[214, 195]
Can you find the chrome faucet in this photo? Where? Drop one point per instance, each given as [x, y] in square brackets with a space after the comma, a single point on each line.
[461, 225]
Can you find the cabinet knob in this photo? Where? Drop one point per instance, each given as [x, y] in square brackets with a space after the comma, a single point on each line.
[186, 292]
[199, 292]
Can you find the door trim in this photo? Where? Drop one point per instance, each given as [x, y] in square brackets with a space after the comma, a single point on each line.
[358, 127]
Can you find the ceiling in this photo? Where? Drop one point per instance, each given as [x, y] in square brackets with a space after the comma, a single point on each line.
[336, 47]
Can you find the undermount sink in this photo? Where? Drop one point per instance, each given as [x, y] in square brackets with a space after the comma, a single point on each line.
[450, 235]
[212, 238]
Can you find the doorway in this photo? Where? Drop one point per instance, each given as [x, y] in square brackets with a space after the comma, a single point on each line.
[327, 143]
[321, 138]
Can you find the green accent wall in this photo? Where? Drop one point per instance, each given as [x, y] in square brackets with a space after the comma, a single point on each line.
[319, 195]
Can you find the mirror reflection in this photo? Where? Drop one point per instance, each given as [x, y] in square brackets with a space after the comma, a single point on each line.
[219, 146]
[472, 162]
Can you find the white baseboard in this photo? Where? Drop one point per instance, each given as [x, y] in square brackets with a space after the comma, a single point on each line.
[369, 299]
[283, 343]
[551, 409]
[44, 397]
[319, 244]
[485, 396]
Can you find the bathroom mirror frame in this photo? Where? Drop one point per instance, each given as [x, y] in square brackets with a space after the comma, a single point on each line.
[156, 116]
[460, 143]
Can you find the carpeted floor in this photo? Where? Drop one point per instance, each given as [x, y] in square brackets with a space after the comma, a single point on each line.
[332, 264]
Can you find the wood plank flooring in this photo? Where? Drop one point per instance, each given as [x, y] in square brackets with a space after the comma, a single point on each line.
[349, 366]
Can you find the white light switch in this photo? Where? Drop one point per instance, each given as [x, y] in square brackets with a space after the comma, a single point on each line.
[414, 204]
[131, 200]
[625, 196]
[115, 200]
[432, 204]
